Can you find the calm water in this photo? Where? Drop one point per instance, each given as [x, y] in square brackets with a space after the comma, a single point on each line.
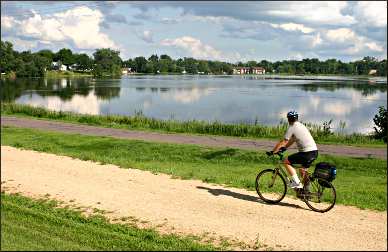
[228, 99]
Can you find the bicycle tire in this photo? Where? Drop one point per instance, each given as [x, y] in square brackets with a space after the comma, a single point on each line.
[315, 201]
[263, 193]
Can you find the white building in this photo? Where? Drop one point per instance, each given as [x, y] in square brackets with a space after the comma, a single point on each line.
[372, 71]
[59, 66]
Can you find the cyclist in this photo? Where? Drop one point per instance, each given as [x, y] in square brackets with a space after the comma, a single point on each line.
[307, 148]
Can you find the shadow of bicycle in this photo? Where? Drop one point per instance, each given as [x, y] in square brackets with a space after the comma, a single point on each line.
[217, 192]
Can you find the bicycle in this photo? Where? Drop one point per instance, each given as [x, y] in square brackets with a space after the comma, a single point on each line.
[318, 193]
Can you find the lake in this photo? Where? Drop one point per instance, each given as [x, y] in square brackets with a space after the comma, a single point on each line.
[229, 99]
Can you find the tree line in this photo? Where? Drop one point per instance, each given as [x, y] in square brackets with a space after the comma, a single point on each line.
[107, 62]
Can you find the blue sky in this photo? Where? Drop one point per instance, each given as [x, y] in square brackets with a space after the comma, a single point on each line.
[227, 31]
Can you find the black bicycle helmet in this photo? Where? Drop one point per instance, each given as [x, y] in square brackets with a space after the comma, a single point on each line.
[292, 115]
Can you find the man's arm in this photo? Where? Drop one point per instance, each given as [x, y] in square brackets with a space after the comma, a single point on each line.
[290, 142]
[281, 144]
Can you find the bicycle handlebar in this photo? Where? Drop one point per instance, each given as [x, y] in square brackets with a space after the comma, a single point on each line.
[279, 153]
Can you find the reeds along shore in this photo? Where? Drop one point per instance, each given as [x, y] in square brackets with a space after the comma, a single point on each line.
[321, 133]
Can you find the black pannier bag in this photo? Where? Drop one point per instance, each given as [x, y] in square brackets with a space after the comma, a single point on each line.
[326, 171]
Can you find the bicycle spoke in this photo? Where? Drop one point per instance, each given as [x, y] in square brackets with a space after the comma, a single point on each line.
[322, 195]
[270, 186]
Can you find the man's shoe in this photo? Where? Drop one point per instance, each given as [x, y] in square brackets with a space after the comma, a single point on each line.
[295, 185]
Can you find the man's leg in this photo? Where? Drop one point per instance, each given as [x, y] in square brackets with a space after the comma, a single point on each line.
[291, 170]
[303, 174]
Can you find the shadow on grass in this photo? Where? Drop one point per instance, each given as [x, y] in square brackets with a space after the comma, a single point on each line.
[221, 153]
[217, 192]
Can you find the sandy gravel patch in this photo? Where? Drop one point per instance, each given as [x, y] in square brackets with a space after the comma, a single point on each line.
[191, 206]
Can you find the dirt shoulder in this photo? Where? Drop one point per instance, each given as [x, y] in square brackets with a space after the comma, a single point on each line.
[212, 141]
[190, 206]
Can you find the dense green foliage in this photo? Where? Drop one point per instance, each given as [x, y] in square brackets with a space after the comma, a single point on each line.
[322, 134]
[165, 64]
[381, 121]
[27, 64]
[108, 62]
[33, 225]
[23, 64]
[361, 182]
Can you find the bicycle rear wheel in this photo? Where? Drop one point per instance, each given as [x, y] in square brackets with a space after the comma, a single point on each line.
[320, 196]
[271, 186]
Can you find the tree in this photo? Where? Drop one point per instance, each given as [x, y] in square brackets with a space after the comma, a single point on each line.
[203, 67]
[251, 63]
[35, 66]
[83, 61]
[48, 54]
[191, 65]
[164, 65]
[107, 62]
[65, 56]
[129, 63]
[7, 59]
[381, 122]
[140, 64]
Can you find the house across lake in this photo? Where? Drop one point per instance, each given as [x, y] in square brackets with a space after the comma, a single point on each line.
[248, 70]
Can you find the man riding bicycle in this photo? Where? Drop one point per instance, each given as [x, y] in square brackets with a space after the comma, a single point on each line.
[307, 148]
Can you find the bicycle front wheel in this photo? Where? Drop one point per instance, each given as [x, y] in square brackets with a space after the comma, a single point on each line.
[271, 186]
[320, 196]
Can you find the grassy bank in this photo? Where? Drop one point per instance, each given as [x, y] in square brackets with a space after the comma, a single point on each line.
[32, 225]
[140, 122]
[360, 182]
[56, 74]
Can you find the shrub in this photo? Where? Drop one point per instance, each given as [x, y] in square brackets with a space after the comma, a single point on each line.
[381, 122]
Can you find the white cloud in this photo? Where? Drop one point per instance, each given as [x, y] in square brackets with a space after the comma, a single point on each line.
[186, 96]
[337, 108]
[79, 26]
[316, 40]
[21, 45]
[79, 104]
[355, 43]
[293, 27]
[147, 36]
[199, 50]
[372, 13]
[374, 46]
[194, 46]
[7, 22]
[315, 12]
[341, 35]
[216, 20]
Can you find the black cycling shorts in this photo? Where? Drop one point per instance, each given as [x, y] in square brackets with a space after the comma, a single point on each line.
[303, 158]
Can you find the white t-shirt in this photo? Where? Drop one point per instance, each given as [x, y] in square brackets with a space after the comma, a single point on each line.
[302, 136]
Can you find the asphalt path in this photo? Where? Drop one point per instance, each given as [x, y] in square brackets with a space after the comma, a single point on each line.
[211, 141]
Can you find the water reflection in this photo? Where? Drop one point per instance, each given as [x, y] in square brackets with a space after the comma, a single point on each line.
[228, 99]
[366, 89]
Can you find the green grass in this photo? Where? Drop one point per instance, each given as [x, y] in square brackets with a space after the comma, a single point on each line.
[360, 182]
[56, 74]
[140, 122]
[28, 224]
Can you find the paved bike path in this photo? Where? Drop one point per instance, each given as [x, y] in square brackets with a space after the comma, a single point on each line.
[212, 141]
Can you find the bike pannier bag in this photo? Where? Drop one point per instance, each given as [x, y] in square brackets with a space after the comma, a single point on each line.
[325, 170]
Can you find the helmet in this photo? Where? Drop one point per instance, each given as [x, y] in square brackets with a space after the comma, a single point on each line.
[292, 115]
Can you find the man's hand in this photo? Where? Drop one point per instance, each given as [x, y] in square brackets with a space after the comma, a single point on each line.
[282, 149]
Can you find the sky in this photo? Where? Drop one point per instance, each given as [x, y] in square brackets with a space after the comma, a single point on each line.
[227, 31]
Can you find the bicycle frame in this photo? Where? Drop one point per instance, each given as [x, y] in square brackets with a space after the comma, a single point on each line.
[280, 169]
